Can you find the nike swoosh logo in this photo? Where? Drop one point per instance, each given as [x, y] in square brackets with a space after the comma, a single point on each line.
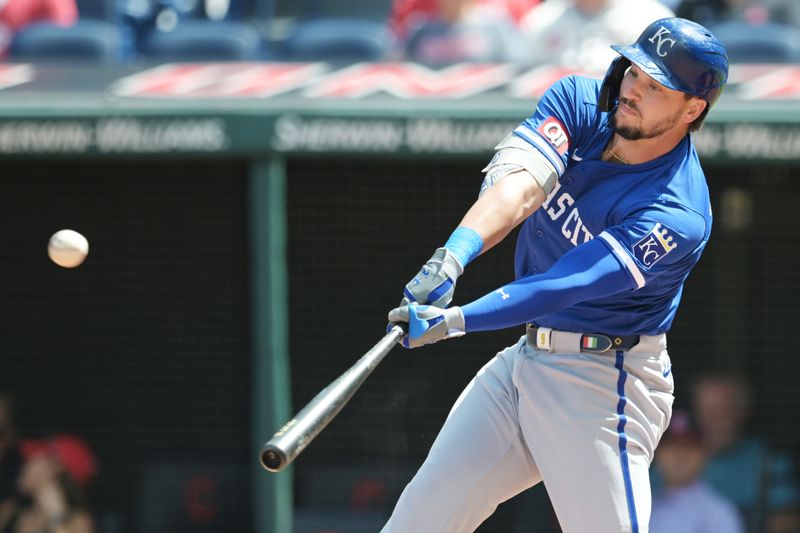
[667, 371]
[575, 156]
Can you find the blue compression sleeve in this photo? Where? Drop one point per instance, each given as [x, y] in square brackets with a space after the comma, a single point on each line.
[584, 273]
[465, 244]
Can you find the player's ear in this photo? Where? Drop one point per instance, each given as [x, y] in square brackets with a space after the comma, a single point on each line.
[694, 108]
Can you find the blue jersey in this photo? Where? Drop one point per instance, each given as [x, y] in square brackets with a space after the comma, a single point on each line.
[654, 217]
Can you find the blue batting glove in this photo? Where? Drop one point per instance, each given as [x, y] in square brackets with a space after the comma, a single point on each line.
[428, 324]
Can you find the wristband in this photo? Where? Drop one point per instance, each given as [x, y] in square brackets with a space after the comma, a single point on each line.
[465, 244]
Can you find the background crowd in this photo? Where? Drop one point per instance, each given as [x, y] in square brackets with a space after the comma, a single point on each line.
[711, 473]
[714, 474]
[43, 482]
[527, 33]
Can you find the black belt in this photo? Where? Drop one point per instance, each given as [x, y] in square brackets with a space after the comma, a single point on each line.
[591, 342]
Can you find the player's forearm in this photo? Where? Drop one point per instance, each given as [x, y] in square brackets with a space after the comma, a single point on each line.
[503, 207]
[496, 212]
[580, 275]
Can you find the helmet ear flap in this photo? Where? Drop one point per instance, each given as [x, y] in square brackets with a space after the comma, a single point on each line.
[609, 91]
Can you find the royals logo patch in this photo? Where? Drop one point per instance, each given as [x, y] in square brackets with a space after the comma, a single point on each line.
[556, 134]
[654, 246]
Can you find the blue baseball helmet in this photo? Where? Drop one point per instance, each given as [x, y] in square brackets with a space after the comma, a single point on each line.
[677, 53]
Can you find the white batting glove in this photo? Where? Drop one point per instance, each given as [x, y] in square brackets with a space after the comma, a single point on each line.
[428, 324]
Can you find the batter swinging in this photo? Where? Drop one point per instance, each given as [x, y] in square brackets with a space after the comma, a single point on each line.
[615, 213]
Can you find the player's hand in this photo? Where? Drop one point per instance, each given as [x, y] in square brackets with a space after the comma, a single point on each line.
[435, 282]
[428, 324]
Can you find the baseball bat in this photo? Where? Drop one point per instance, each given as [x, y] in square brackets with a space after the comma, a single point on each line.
[298, 432]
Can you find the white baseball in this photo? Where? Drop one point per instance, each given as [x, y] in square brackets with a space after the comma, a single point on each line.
[67, 248]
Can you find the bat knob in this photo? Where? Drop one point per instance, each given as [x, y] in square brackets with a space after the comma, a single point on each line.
[271, 460]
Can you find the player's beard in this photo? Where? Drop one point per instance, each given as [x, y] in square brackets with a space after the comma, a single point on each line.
[634, 133]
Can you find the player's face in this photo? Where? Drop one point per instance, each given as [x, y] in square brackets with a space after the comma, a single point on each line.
[648, 109]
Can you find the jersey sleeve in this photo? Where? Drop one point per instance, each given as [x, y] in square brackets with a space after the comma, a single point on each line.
[554, 125]
[587, 272]
[656, 240]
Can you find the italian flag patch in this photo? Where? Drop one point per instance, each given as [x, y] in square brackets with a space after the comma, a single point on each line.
[589, 342]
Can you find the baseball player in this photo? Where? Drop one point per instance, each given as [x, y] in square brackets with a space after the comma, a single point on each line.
[615, 212]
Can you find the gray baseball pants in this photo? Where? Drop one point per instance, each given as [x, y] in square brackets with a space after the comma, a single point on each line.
[585, 424]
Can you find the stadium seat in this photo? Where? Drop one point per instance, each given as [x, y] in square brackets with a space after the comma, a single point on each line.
[204, 40]
[765, 43]
[325, 520]
[337, 40]
[90, 41]
[96, 9]
[181, 496]
[439, 44]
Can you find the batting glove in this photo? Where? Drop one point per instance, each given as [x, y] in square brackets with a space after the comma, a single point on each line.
[435, 283]
[428, 324]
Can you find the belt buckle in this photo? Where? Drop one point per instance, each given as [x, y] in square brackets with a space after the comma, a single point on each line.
[597, 343]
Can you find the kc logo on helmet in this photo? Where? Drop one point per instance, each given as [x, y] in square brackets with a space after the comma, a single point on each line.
[659, 36]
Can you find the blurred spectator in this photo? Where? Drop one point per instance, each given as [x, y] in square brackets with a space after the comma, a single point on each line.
[55, 474]
[409, 14]
[10, 460]
[16, 14]
[686, 503]
[578, 33]
[442, 32]
[710, 12]
[741, 466]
